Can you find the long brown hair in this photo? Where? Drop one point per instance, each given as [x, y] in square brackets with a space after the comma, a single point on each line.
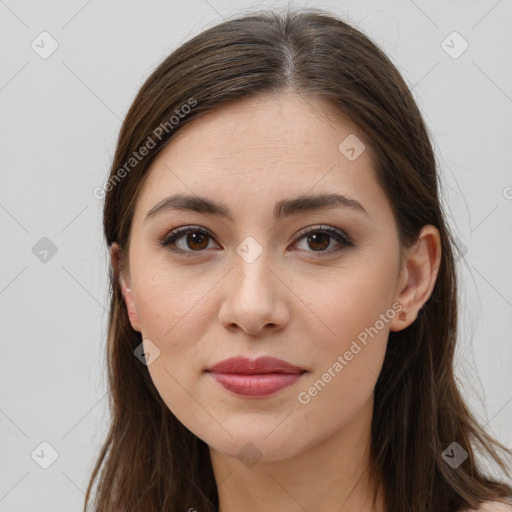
[149, 460]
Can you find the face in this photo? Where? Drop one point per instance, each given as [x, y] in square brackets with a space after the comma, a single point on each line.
[252, 283]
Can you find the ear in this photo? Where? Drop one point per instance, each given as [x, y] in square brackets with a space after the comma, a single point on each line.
[115, 256]
[418, 277]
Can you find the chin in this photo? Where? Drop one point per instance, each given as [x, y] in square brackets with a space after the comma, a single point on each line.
[252, 449]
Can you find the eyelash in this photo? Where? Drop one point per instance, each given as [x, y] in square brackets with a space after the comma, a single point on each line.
[338, 235]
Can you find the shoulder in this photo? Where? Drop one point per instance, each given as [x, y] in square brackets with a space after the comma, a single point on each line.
[492, 506]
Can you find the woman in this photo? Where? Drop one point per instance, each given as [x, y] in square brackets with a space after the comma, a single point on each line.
[284, 303]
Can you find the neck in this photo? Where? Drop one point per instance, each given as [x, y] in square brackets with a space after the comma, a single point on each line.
[331, 475]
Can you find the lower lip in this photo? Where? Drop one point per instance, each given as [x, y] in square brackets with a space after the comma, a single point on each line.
[254, 385]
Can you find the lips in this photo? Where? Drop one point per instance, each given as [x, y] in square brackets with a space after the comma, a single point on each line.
[260, 377]
[265, 364]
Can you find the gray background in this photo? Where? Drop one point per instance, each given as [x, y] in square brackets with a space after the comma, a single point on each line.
[60, 120]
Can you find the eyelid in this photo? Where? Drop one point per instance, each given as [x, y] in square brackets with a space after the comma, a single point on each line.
[339, 235]
[177, 233]
[322, 228]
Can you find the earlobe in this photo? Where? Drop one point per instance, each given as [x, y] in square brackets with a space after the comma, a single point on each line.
[402, 318]
[130, 306]
[419, 277]
[125, 287]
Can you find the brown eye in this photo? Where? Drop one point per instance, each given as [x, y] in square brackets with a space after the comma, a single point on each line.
[188, 239]
[318, 239]
[196, 241]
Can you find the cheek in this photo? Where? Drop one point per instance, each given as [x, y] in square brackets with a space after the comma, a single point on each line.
[346, 363]
[349, 331]
[350, 303]
[175, 313]
[169, 305]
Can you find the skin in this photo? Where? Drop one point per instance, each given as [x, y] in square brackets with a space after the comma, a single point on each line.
[288, 303]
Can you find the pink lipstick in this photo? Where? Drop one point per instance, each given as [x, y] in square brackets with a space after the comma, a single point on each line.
[260, 377]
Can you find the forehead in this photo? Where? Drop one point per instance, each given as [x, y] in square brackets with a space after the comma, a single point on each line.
[291, 126]
[258, 150]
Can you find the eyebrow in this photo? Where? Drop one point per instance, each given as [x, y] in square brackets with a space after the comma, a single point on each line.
[282, 209]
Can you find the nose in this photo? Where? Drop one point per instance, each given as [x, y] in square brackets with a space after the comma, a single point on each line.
[255, 298]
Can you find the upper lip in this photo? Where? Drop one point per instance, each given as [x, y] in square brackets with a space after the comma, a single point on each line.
[264, 364]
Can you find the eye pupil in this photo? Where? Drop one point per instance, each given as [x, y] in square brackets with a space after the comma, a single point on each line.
[192, 238]
[313, 238]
